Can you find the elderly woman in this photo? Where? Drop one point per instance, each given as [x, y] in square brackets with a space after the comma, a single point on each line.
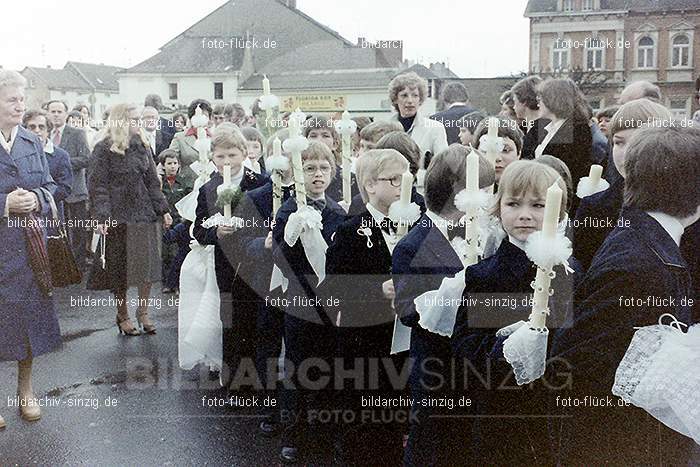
[28, 322]
[183, 143]
[407, 93]
[124, 189]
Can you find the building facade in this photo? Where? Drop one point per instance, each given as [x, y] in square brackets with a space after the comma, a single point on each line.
[606, 44]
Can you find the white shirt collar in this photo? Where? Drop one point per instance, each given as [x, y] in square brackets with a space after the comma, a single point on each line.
[552, 128]
[516, 242]
[8, 144]
[670, 224]
[376, 214]
[439, 222]
[455, 104]
[554, 125]
[49, 147]
[236, 179]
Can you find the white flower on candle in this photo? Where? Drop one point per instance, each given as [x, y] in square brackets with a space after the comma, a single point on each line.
[199, 120]
[346, 126]
[491, 144]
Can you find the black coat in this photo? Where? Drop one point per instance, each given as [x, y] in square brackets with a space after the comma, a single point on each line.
[449, 118]
[357, 206]
[573, 144]
[74, 142]
[125, 187]
[533, 137]
[636, 261]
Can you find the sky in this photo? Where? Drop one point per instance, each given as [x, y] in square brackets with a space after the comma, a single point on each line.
[477, 39]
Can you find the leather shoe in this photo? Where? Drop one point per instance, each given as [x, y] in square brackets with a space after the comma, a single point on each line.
[30, 413]
[289, 455]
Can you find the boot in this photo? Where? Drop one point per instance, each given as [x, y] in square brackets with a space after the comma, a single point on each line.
[29, 408]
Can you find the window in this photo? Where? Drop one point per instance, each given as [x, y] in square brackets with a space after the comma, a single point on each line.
[172, 91]
[679, 108]
[594, 55]
[645, 53]
[587, 5]
[218, 91]
[560, 55]
[568, 5]
[681, 50]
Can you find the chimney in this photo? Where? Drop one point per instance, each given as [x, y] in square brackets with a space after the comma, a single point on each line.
[291, 3]
[361, 40]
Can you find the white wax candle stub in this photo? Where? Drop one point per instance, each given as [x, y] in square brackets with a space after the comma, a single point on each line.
[472, 172]
[406, 185]
[493, 128]
[595, 174]
[552, 207]
[266, 85]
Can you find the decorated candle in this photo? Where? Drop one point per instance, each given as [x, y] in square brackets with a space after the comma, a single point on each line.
[277, 147]
[347, 158]
[538, 317]
[276, 179]
[470, 231]
[227, 183]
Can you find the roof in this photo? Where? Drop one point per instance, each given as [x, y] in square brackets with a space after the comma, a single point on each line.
[58, 78]
[101, 77]
[550, 6]
[325, 79]
[300, 42]
[485, 93]
[187, 55]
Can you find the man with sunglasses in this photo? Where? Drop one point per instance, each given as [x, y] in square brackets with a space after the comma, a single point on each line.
[37, 122]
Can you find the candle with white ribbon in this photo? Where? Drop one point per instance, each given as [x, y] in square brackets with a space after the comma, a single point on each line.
[347, 159]
[276, 179]
[405, 200]
[552, 206]
[470, 231]
[227, 183]
[297, 164]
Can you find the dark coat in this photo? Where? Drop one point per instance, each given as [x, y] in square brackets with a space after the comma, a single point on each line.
[634, 262]
[595, 218]
[600, 148]
[335, 189]
[28, 322]
[533, 138]
[573, 144]
[357, 206]
[125, 187]
[449, 119]
[421, 260]
[175, 193]
[179, 234]
[61, 172]
[74, 142]
[225, 252]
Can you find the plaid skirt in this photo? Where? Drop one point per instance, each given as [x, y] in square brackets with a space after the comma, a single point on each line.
[133, 255]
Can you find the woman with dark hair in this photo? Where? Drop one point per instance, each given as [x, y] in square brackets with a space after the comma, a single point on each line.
[527, 108]
[28, 322]
[183, 143]
[568, 135]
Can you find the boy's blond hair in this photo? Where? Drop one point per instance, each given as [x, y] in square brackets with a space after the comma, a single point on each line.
[376, 130]
[523, 176]
[318, 151]
[228, 136]
[370, 164]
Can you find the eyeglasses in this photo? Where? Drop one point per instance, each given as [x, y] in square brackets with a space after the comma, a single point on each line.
[312, 169]
[395, 180]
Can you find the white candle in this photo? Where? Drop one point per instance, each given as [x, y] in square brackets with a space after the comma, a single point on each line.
[470, 234]
[347, 162]
[472, 172]
[227, 175]
[552, 207]
[277, 147]
[299, 184]
[595, 174]
[405, 200]
[276, 192]
[266, 85]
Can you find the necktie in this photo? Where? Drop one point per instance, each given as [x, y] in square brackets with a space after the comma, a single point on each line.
[388, 226]
[319, 204]
[56, 137]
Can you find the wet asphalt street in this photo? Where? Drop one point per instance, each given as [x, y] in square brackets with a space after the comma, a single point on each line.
[118, 400]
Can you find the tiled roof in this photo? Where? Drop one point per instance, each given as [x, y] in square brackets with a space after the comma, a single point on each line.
[57, 78]
[101, 77]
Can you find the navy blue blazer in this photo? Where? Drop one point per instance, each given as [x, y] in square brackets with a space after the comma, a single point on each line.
[225, 253]
[602, 208]
[256, 208]
[635, 262]
[449, 119]
[357, 206]
[62, 173]
[335, 189]
[294, 265]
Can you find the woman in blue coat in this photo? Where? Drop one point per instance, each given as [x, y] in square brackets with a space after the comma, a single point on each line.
[28, 322]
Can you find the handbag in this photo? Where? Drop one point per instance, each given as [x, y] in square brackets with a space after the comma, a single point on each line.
[38, 256]
[64, 269]
[98, 279]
